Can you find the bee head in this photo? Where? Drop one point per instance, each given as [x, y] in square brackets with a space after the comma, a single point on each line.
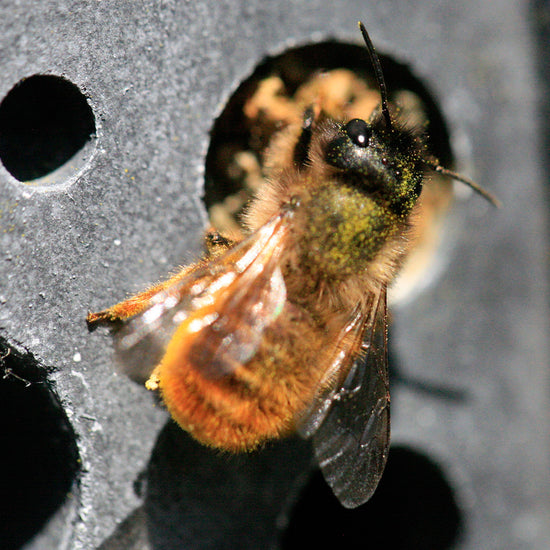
[382, 160]
[383, 156]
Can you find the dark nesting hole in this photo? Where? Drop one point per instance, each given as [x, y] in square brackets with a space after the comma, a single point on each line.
[413, 508]
[39, 458]
[198, 498]
[44, 121]
[232, 132]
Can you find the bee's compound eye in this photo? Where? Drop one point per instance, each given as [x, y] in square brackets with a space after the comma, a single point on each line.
[358, 131]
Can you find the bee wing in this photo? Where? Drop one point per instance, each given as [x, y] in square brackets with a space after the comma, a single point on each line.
[351, 426]
[227, 302]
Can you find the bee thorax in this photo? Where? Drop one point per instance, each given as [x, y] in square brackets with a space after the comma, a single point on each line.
[344, 231]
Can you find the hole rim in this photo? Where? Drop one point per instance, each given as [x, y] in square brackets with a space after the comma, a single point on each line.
[73, 166]
[45, 430]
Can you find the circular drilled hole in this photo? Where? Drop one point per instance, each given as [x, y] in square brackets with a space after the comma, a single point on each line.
[45, 121]
[39, 458]
[413, 508]
[197, 498]
[338, 78]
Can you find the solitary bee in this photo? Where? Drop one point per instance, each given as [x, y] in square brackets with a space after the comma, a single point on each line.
[285, 329]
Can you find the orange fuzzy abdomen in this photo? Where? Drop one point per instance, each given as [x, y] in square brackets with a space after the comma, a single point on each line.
[259, 400]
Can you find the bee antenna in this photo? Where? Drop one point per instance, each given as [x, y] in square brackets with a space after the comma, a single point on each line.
[471, 184]
[378, 73]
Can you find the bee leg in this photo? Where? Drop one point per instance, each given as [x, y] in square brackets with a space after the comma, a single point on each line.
[114, 315]
[301, 150]
[216, 243]
[132, 306]
[99, 318]
[153, 382]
